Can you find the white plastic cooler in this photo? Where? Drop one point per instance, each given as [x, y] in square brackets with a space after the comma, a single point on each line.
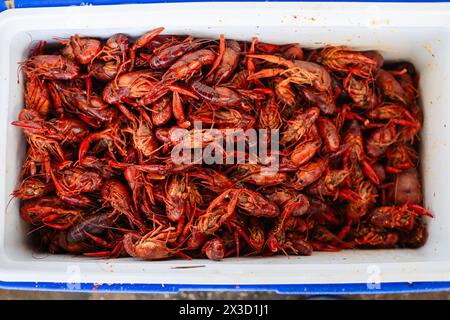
[407, 31]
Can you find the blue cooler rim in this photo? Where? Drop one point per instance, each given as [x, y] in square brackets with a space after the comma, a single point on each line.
[16, 4]
[345, 288]
[306, 289]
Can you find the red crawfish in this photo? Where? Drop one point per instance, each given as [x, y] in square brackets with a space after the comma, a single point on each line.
[196, 138]
[110, 139]
[321, 213]
[416, 238]
[293, 52]
[211, 179]
[253, 233]
[196, 238]
[331, 184]
[33, 187]
[45, 138]
[218, 212]
[296, 206]
[277, 239]
[177, 197]
[409, 132]
[298, 125]
[116, 46]
[269, 115]
[37, 162]
[116, 195]
[214, 249]
[141, 42]
[381, 171]
[354, 154]
[164, 57]
[379, 140]
[91, 109]
[228, 63]
[99, 165]
[236, 229]
[330, 134]
[389, 111]
[94, 111]
[347, 176]
[361, 92]
[268, 48]
[304, 152]
[284, 92]
[185, 67]
[158, 170]
[409, 126]
[52, 67]
[178, 108]
[324, 100]
[250, 63]
[217, 96]
[398, 217]
[254, 204]
[296, 72]
[161, 111]
[299, 244]
[129, 87]
[41, 151]
[280, 195]
[112, 58]
[323, 239]
[343, 59]
[143, 138]
[308, 174]
[37, 96]
[239, 80]
[142, 191]
[163, 41]
[155, 245]
[84, 50]
[75, 197]
[257, 174]
[50, 211]
[67, 129]
[103, 71]
[224, 118]
[375, 56]
[407, 187]
[406, 74]
[390, 87]
[79, 97]
[358, 208]
[91, 236]
[74, 179]
[372, 237]
[299, 225]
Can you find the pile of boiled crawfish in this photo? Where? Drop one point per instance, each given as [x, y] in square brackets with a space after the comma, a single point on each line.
[99, 117]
